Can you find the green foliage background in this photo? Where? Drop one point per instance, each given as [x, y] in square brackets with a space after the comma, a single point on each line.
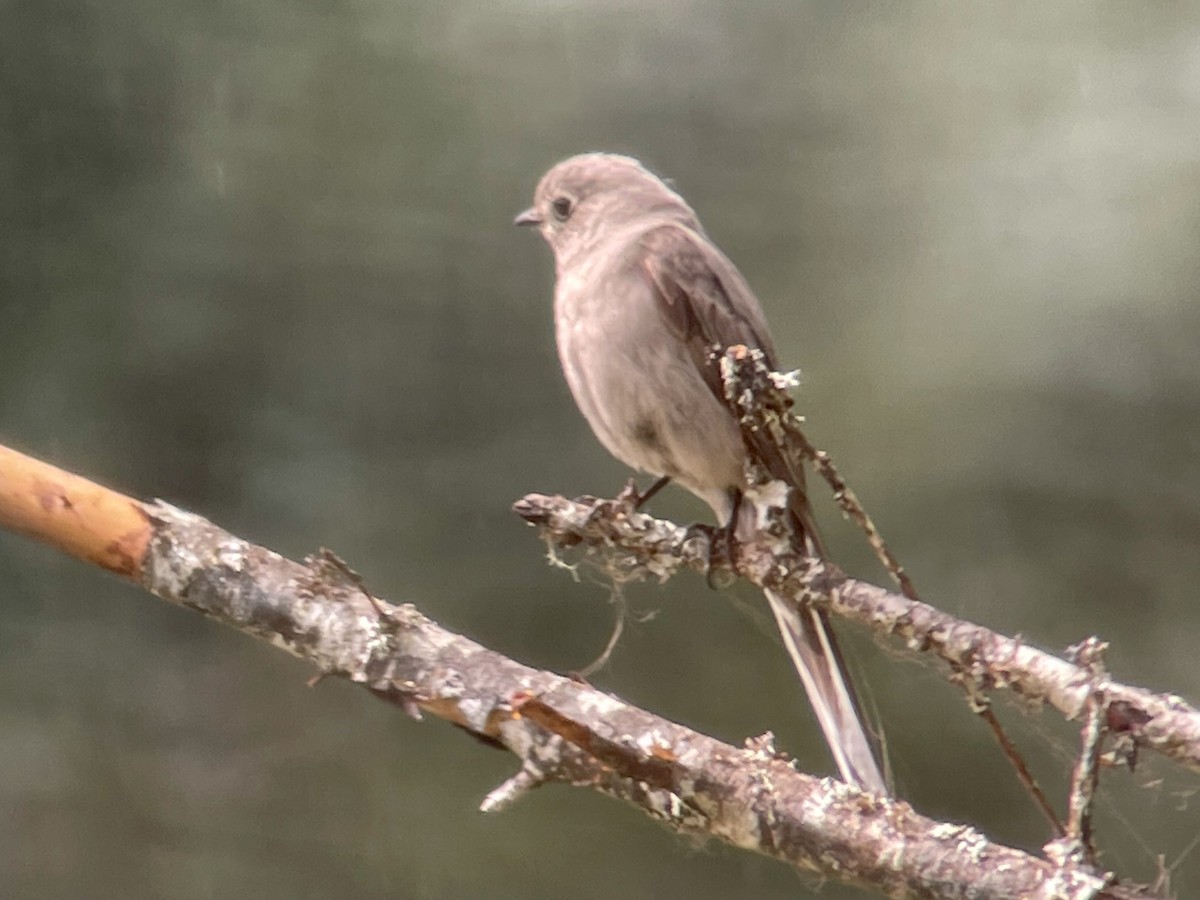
[255, 259]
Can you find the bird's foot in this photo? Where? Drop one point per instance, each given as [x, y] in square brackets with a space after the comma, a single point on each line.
[652, 490]
[630, 494]
[721, 569]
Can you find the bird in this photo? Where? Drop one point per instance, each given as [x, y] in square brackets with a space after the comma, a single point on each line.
[642, 299]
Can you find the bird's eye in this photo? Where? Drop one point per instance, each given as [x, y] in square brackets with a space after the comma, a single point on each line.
[562, 208]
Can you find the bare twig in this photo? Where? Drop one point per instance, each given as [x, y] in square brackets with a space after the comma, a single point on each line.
[1017, 761]
[512, 790]
[759, 399]
[1085, 777]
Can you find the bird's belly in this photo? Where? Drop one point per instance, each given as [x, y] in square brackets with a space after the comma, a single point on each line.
[644, 398]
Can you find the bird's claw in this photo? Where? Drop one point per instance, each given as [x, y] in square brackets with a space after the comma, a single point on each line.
[629, 495]
[721, 567]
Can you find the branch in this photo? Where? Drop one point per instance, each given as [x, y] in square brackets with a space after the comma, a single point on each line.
[560, 730]
[759, 400]
[631, 545]
[1086, 775]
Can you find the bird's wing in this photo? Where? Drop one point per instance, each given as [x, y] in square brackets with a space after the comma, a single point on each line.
[702, 296]
[810, 643]
[706, 301]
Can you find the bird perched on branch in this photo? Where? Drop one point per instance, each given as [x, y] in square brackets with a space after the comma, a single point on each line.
[641, 301]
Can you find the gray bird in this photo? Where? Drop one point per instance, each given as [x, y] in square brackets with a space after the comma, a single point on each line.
[641, 298]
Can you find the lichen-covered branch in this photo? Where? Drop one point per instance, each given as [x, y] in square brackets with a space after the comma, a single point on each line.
[759, 400]
[560, 730]
[632, 545]
[563, 731]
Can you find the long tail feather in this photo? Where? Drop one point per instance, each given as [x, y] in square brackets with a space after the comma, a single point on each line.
[810, 641]
[815, 654]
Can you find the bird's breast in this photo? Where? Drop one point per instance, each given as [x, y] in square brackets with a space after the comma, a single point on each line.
[635, 382]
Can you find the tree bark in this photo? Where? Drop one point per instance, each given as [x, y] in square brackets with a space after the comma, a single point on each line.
[632, 545]
[560, 730]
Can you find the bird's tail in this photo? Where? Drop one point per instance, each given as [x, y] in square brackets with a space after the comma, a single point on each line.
[815, 654]
[808, 636]
[811, 644]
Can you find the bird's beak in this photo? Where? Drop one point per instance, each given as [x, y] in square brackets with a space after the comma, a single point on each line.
[529, 217]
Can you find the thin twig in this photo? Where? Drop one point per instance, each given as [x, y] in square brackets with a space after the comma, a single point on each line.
[1023, 774]
[759, 399]
[849, 503]
[1085, 777]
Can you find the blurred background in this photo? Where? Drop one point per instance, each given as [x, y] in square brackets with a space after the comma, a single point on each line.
[256, 259]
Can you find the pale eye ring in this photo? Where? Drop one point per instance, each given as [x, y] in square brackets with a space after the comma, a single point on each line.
[562, 207]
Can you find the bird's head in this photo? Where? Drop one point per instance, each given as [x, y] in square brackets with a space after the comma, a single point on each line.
[587, 197]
